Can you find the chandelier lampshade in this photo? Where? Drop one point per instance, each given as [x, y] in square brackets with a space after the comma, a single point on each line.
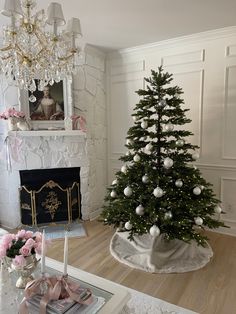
[31, 51]
[12, 8]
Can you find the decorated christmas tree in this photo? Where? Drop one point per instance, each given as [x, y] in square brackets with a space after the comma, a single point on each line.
[159, 190]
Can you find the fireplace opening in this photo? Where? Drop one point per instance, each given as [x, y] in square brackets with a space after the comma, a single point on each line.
[50, 195]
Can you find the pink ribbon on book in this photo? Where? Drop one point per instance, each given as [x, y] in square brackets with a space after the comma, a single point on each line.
[58, 288]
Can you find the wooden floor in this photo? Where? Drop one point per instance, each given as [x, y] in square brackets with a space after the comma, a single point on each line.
[209, 290]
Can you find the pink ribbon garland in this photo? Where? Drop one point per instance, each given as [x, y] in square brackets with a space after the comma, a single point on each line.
[58, 288]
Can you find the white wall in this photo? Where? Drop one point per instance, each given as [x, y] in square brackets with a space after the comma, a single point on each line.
[204, 65]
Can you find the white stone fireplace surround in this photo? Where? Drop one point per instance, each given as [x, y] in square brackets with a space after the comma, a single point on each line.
[44, 151]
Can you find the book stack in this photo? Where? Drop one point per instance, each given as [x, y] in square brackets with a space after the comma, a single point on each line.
[66, 306]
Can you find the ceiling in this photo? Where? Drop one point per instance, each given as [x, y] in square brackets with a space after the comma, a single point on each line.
[116, 24]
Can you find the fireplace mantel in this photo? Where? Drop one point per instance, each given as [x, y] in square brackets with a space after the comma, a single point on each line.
[48, 133]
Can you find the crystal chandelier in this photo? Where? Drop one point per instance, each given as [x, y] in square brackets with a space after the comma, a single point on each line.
[32, 51]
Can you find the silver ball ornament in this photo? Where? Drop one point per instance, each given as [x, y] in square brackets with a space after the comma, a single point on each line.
[168, 215]
[139, 210]
[180, 143]
[168, 162]
[145, 179]
[136, 158]
[124, 169]
[197, 190]
[128, 191]
[179, 183]
[198, 221]
[154, 231]
[158, 192]
[218, 209]
[113, 194]
[195, 155]
[128, 225]
[169, 127]
[162, 103]
[144, 125]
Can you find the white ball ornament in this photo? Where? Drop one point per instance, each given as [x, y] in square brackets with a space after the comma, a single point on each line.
[124, 169]
[180, 143]
[198, 221]
[168, 162]
[169, 127]
[179, 183]
[128, 191]
[197, 190]
[148, 147]
[114, 182]
[144, 125]
[195, 155]
[218, 209]
[113, 194]
[136, 158]
[139, 210]
[154, 231]
[128, 225]
[158, 192]
[145, 179]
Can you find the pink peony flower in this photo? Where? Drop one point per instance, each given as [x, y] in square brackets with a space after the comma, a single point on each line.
[21, 234]
[30, 243]
[38, 248]
[7, 239]
[28, 234]
[25, 251]
[38, 236]
[5, 246]
[19, 261]
[2, 252]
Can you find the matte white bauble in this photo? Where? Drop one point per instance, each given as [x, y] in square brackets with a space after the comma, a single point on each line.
[180, 143]
[154, 231]
[128, 225]
[145, 179]
[168, 162]
[162, 103]
[144, 125]
[139, 210]
[179, 183]
[113, 194]
[195, 155]
[198, 221]
[197, 190]
[129, 142]
[148, 147]
[218, 209]
[169, 127]
[128, 191]
[124, 169]
[114, 182]
[168, 215]
[136, 158]
[158, 192]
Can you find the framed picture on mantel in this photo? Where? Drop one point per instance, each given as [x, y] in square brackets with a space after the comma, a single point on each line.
[46, 108]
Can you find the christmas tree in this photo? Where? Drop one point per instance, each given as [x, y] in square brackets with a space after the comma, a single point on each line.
[158, 190]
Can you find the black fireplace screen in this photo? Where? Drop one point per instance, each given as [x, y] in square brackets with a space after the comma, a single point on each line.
[50, 195]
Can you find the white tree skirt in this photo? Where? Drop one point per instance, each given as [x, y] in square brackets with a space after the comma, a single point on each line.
[159, 255]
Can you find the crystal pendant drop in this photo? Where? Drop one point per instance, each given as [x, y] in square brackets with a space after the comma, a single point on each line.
[32, 86]
[32, 98]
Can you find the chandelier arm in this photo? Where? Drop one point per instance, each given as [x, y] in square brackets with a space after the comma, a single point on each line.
[9, 47]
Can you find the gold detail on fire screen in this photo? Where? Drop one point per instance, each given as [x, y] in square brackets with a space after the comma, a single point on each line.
[51, 203]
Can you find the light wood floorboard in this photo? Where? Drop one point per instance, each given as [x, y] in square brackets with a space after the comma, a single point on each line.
[211, 290]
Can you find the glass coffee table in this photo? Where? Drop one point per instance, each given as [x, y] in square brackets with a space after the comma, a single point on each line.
[116, 296]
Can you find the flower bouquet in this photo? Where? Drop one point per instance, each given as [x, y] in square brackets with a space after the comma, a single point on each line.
[13, 116]
[19, 251]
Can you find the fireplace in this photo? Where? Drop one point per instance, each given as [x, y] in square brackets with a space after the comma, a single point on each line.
[50, 195]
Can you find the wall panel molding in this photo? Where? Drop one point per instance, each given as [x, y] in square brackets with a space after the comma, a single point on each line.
[125, 68]
[183, 58]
